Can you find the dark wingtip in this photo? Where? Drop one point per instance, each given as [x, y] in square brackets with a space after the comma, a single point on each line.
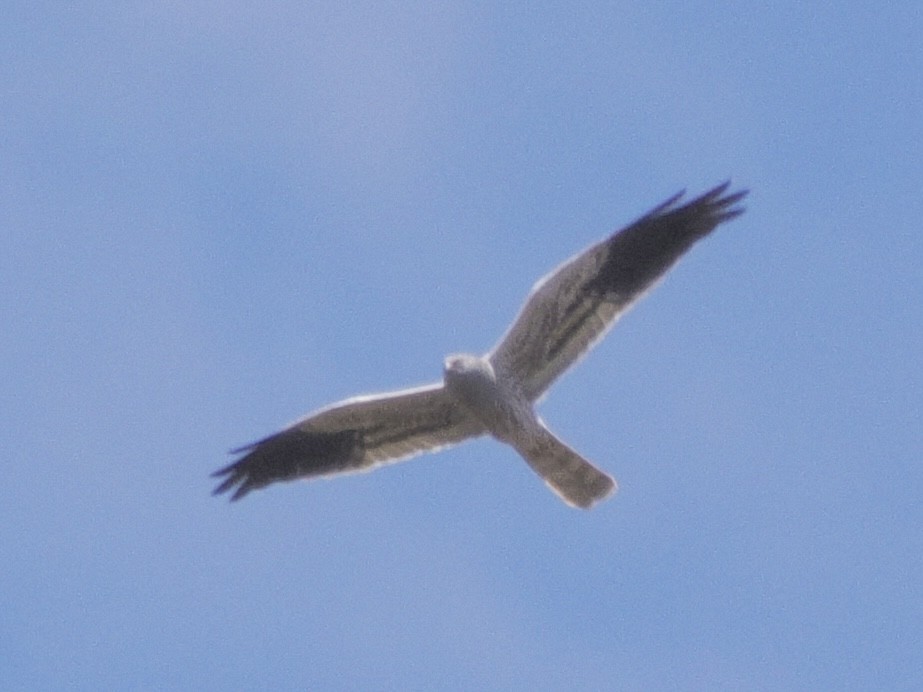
[239, 473]
[721, 207]
[726, 200]
[716, 196]
[644, 250]
[234, 476]
[287, 455]
[667, 204]
[732, 198]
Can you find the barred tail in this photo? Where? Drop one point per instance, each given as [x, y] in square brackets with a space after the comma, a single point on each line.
[573, 478]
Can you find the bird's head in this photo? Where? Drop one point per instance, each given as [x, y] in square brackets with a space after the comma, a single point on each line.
[463, 366]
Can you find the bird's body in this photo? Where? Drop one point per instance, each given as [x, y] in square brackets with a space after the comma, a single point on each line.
[494, 401]
[566, 313]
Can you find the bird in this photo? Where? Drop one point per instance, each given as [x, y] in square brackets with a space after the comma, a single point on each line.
[564, 316]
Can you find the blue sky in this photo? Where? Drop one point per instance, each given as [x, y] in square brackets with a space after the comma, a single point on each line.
[216, 217]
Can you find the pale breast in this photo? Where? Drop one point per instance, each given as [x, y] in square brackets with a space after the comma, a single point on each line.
[497, 403]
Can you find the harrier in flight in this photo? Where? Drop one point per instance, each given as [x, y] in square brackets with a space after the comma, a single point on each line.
[566, 313]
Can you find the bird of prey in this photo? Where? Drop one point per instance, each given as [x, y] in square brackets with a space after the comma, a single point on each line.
[566, 313]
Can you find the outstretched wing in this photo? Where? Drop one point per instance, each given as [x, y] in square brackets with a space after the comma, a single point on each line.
[571, 308]
[354, 435]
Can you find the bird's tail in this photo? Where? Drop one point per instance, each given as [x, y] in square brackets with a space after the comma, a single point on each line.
[573, 478]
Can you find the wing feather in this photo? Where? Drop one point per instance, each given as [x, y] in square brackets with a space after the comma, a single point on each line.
[574, 306]
[353, 435]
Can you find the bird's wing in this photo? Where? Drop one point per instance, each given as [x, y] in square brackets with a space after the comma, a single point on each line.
[571, 308]
[354, 435]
